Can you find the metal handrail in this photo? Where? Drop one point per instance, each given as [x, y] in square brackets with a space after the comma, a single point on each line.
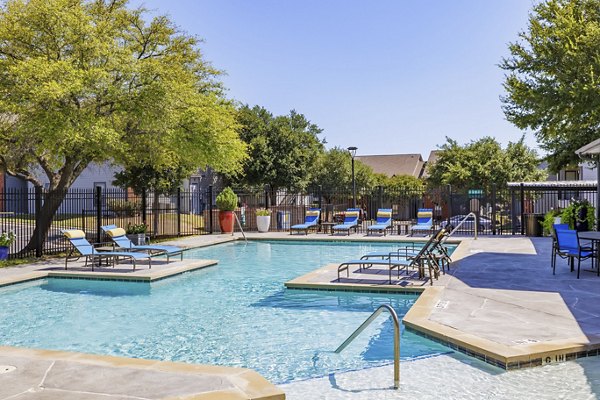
[241, 229]
[367, 322]
[463, 221]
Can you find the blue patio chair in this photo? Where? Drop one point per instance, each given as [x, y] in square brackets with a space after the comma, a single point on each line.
[79, 242]
[568, 247]
[383, 223]
[350, 221]
[311, 220]
[424, 221]
[119, 237]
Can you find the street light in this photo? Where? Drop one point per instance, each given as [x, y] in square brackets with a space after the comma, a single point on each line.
[352, 151]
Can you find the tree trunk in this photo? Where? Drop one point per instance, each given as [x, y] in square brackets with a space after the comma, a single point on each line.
[51, 201]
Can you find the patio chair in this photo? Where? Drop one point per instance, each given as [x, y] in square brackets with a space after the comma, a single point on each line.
[120, 239]
[350, 221]
[311, 220]
[568, 247]
[383, 223]
[79, 242]
[401, 261]
[424, 221]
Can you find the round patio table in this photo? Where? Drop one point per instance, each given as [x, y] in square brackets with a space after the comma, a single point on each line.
[594, 237]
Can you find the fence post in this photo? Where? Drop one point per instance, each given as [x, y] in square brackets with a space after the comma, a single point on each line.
[83, 219]
[450, 205]
[379, 201]
[320, 194]
[266, 198]
[144, 200]
[493, 209]
[178, 211]
[522, 209]
[210, 209]
[98, 213]
[38, 216]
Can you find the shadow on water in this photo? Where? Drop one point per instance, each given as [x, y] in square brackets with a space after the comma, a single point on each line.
[96, 287]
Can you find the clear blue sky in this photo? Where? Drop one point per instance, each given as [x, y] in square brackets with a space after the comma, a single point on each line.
[387, 76]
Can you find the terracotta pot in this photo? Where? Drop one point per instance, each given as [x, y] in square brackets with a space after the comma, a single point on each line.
[226, 220]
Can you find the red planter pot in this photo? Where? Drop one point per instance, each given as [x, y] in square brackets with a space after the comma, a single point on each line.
[226, 220]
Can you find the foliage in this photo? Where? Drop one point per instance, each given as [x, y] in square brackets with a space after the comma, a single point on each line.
[549, 221]
[572, 213]
[93, 81]
[124, 208]
[227, 200]
[283, 149]
[163, 180]
[133, 229]
[552, 78]
[7, 238]
[483, 163]
[403, 184]
[263, 212]
[334, 172]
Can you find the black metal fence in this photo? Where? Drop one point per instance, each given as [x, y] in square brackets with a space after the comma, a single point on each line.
[508, 210]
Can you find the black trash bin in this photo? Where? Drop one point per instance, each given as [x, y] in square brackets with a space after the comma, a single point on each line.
[533, 224]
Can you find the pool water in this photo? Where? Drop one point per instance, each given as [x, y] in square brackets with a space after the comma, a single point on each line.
[237, 313]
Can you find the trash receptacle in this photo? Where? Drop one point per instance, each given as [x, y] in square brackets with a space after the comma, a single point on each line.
[533, 224]
[283, 220]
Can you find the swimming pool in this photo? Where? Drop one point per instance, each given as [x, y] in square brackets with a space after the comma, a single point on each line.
[237, 314]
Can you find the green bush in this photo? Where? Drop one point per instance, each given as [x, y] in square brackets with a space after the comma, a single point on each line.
[227, 200]
[136, 229]
[124, 208]
[549, 221]
[7, 238]
[572, 214]
[262, 212]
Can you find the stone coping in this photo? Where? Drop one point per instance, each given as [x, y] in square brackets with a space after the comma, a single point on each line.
[139, 275]
[45, 374]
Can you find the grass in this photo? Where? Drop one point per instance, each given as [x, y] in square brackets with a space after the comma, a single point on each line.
[17, 261]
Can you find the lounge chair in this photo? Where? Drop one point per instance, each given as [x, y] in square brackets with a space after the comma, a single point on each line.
[383, 223]
[77, 239]
[119, 237]
[350, 221]
[422, 257]
[311, 220]
[424, 221]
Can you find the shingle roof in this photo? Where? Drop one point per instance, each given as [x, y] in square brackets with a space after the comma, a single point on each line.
[395, 164]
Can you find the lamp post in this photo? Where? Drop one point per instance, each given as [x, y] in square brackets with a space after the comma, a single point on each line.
[352, 151]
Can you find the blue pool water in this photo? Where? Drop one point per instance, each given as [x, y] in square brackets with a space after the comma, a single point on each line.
[237, 313]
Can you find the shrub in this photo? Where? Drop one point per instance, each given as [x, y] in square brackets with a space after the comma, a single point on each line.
[7, 238]
[227, 200]
[263, 212]
[549, 221]
[124, 208]
[578, 212]
[136, 229]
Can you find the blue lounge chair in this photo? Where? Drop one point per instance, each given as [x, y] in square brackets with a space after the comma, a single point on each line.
[311, 220]
[119, 237]
[424, 221]
[350, 221]
[383, 223]
[568, 246]
[77, 239]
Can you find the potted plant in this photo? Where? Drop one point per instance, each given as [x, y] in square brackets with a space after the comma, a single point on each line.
[263, 219]
[580, 215]
[137, 233]
[6, 239]
[227, 201]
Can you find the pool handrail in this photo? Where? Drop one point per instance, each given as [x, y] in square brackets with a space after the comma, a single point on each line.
[463, 221]
[367, 322]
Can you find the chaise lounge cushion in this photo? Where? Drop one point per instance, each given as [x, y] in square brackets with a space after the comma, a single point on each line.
[74, 234]
[115, 232]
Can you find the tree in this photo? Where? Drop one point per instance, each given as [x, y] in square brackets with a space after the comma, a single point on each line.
[403, 184]
[552, 82]
[483, 163]
[92, 81]
[283, 149]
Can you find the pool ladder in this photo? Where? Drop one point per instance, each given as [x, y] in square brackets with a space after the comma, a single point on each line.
[380, 309]
[240, 225]
[465, 220]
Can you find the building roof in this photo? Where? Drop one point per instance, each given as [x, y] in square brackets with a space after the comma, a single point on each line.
[555, 184]
[395, 164]
[590, 149]
[433, 157]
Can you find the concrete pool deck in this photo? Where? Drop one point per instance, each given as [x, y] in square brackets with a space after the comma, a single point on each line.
[499, 302]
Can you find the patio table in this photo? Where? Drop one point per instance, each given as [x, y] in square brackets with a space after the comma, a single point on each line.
[594, 237]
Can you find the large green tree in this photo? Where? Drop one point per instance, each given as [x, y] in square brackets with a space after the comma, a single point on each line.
[94, 81]
[483, 163]
[553, 76]
[283, 149]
